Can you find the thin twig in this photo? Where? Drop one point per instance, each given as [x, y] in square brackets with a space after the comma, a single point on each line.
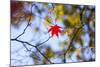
[44, 41]
[23, 31]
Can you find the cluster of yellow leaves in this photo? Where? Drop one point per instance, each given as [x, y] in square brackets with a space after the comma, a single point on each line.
[74, 19]
[59, 10]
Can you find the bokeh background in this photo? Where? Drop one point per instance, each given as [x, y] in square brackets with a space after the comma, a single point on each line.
[30, 22]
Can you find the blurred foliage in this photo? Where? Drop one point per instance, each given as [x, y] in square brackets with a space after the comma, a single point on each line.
[59, 11]
[74, 20]
[49, 53]
[69, 31]
[16, 11]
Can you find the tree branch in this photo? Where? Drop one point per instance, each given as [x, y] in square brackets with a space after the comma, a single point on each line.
[34, 47]
[43, 55]
[23, 42]
[76, 33]
[71, 43]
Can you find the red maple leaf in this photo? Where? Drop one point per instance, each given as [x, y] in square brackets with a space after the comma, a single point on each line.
[55, 30]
